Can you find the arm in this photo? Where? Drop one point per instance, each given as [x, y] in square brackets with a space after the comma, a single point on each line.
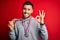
[41, 26]
[43, 32]
[13, 31]
[12, 35]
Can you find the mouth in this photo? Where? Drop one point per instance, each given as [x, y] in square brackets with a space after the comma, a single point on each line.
[26, 14]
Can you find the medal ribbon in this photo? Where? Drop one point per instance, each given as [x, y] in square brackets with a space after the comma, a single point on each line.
[26, 27]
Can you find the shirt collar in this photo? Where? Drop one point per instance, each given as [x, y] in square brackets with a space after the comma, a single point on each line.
[27, 19]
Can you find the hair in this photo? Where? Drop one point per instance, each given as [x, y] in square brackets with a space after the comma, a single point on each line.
[28, 3]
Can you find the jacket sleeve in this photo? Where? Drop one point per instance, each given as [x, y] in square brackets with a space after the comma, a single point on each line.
[42, 31]
[13, 33]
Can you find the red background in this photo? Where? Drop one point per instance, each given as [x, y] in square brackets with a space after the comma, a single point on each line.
[10, 9]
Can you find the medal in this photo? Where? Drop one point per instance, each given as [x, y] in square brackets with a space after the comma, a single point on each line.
[26, 34]
[26, 29]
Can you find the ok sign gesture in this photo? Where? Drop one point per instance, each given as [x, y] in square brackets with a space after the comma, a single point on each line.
[41, 16]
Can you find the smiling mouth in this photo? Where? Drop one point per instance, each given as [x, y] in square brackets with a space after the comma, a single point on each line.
[25, 14]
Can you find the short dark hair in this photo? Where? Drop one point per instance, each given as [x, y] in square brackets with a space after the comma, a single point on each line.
[28, 3]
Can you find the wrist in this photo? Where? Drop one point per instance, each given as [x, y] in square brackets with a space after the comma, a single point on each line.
[42, 21]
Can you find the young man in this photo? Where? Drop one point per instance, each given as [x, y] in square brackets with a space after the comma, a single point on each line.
[27, 27]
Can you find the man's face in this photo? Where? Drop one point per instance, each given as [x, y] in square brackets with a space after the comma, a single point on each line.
[27, 10]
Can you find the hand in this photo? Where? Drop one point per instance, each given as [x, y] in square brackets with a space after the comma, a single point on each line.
[11, 24]
[41, 16]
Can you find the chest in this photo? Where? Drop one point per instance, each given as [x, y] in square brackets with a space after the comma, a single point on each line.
[32, 27]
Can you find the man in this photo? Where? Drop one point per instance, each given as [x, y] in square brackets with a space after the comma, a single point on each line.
[27, 27]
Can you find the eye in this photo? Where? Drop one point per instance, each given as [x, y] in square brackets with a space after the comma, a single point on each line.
[28, 9]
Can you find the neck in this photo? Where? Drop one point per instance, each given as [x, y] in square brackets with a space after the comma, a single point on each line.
[25, 18]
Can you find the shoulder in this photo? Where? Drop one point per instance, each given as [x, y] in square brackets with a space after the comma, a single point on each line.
[17, 21]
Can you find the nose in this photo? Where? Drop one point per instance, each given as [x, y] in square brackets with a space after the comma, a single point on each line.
[26, 11]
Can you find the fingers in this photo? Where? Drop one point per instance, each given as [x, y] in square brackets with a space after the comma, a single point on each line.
[39, 12]
[43, 13]
[11, 23]
[13, 20]
[9, 26]
[37, 17]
